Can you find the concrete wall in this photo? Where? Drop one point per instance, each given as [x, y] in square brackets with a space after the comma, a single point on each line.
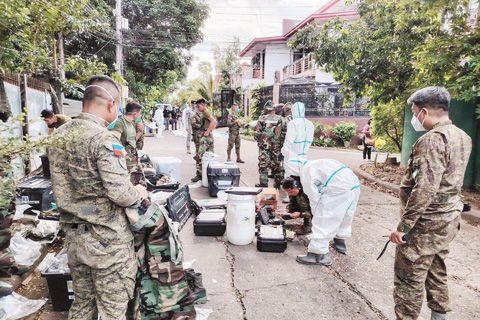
[277, 56]
[463, 115]
[36, 102]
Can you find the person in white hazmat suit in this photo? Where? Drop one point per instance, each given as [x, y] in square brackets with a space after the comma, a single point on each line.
[298, 140]
[187, 123]
[159, 120]
[333, 190]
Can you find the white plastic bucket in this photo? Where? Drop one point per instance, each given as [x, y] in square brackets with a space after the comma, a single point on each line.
[208, 157]
[240, 219]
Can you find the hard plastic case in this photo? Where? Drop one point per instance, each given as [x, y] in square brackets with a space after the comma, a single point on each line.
[210, 222]
[271, 239]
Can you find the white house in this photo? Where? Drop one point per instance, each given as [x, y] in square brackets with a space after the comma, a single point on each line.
[272, 61]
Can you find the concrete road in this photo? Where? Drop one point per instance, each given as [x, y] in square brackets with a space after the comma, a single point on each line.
[243, 283]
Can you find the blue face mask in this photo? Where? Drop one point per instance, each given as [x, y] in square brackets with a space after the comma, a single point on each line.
[111, 125]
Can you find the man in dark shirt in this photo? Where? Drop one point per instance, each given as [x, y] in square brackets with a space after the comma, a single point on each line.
[53, 121]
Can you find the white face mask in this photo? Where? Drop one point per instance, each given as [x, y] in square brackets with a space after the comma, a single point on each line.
[416, 124]
[109, 124]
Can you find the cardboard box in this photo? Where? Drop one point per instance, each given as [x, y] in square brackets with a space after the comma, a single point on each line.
[268, 197]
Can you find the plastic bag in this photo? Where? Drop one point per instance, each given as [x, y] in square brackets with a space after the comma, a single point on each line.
[25, 251]
[15, 306]
[55, 264]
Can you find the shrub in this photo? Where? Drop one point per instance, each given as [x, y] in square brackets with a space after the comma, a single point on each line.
[247, 131]
[324, 130]
[323, 141]
[344, 131]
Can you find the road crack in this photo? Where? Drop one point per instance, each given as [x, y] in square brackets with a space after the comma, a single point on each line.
[359, 294]
[231, 260]
[352, 288]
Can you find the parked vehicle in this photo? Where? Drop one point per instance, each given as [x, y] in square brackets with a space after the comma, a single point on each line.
[72, 101]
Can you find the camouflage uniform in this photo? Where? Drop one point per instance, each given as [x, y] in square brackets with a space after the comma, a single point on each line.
[196, 122]
[140, 129]
[91, 187]
[126, 132]
[270, 134]
[162, 291]
[300, 203]
[205, 144]
[233, 123]
[431, 206]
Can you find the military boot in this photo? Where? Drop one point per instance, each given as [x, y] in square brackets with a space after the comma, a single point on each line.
[188, 150]
[239, 160]
[261, 185]
[228, 155]
[438, 316]
[340, 245]
[315, 259]
[196, 178]
[307, 227]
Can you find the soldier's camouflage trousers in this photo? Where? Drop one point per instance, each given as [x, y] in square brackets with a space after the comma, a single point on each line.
[134, 167]
[414, 275]
[270, 159]
[162, 291]
[234, 140]
[204, 145]
[103, 275]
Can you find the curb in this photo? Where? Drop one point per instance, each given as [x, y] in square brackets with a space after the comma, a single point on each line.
[472, 216]
[367, 176]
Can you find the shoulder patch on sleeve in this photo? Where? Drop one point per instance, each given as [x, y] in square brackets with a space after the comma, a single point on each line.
[118, 150]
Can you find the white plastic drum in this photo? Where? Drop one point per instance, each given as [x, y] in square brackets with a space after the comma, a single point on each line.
[240, 219]
[208, 157]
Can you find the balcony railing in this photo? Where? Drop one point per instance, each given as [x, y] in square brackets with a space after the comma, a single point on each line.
[300, 66]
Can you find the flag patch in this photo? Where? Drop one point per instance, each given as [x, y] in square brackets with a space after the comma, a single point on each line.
[119, 150]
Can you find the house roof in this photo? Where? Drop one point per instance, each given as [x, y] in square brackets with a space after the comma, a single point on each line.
[324, 13]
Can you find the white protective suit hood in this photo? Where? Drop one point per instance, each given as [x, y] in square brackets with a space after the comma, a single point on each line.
[297, 141]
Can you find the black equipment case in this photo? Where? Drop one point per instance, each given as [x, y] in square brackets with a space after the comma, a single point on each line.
[180, 206]
[222, 176]
[37, 192]
[210, 222]
[271, 239]
[152, 184]
[211, 204]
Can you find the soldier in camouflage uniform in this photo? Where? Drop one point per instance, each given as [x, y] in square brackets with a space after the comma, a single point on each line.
[431, 206]
[203, 132]
[234, 125]
[92, 188]
[270, 134]
[299, 205]
[125, 130]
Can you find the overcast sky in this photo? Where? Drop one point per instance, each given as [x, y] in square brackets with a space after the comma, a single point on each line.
[246, 19]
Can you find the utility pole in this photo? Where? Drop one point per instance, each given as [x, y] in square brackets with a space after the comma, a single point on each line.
[59, 69]
[118, 32]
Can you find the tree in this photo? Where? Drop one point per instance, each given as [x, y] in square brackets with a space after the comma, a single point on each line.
[393, 49]
[28, 31]
[227, 61]
[157, 43]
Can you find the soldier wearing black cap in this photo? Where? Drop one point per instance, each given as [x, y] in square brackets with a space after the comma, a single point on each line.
[203, 126]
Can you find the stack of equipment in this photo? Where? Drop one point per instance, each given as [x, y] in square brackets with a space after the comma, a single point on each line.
[222, 176]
